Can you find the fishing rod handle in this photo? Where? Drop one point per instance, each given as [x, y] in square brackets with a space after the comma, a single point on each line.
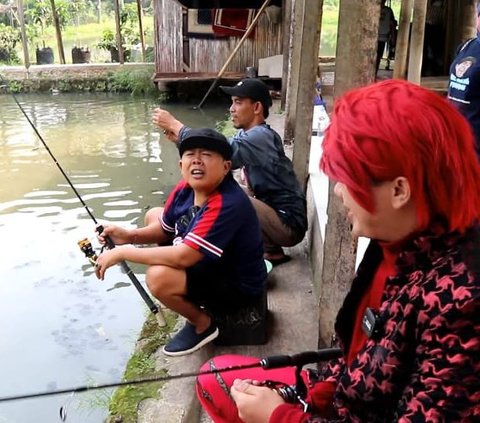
[141, 290]
[276, 361]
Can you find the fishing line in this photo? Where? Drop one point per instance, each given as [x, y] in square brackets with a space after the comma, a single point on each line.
[272, 362]
[49, 152]
[151, 305]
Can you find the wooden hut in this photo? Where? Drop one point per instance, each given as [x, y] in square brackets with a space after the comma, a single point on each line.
[195, 44]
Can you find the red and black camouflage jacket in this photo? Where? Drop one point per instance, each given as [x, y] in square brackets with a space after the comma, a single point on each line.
[424, 364]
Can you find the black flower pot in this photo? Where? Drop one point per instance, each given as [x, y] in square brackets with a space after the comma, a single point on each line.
[116, 57]
[80, 55]
[44, 56]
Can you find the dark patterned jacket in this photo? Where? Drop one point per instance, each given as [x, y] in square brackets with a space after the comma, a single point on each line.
[424, 364]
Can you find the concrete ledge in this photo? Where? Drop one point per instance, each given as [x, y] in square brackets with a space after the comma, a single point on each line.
[65, 72]
[178, 402]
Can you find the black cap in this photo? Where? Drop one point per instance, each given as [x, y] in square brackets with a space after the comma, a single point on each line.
[252, 88]
[206, 138]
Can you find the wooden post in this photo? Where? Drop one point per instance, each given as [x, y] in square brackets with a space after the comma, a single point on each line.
[468, 25]
[355, 66]
[401, 47]
[118, 32]
[58, 33]
[416, 41]
[295, 48]
[140, 27]
[309, 33]
[287, 21]
[460, 22]
[21, 18]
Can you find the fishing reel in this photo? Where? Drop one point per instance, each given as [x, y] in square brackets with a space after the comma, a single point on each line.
[289, 393]
[293, 394]
[87, 249]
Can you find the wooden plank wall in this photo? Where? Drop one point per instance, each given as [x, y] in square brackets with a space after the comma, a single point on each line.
[209, 55]
[168, 36]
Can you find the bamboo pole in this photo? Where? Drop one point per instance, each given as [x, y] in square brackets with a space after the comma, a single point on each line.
[118, 35]
[140, 27]
[21, 19]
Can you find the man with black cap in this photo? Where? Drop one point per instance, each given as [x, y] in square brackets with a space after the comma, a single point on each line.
[267, 172]
[214, 257]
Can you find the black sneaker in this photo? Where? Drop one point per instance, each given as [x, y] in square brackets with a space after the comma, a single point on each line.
[186, 341]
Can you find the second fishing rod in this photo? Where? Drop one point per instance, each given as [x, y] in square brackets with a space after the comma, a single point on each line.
[84, 244]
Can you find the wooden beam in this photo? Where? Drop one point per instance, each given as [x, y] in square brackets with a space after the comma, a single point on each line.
[468, 18]
[296, 35]
[401, 47]
[58, 32]
[287, 21]
[309, 36]
[416, 41]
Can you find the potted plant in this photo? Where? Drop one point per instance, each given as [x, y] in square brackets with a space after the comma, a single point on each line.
[108, 42]
[130, 35]
[39, 16]
[80, 55]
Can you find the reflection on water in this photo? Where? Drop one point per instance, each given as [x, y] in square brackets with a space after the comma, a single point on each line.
[61, 327]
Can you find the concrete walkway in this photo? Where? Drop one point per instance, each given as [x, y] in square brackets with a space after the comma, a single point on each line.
[293, 328]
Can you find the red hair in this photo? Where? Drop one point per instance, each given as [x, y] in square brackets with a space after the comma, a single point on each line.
[395, 128]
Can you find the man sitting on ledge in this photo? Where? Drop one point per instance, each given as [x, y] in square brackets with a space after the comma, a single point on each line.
[214, 262]
[267, 172]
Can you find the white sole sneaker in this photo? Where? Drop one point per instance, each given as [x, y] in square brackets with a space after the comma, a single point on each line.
[203, 342]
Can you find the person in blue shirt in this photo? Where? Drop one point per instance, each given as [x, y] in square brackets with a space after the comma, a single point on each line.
[209, 256]
[464, 82]
[267, 172]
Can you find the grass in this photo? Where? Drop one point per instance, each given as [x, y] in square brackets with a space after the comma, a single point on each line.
[138, 82]
[124, 402]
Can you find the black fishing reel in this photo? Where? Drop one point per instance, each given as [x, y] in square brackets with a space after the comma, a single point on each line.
[87, 249]
[287, 392]
[293, 394]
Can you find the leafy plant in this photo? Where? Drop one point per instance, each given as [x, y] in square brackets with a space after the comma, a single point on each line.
[108, 41]
[128, 30]
[9, 37]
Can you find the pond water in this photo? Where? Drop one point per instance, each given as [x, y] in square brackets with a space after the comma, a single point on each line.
[59, 326]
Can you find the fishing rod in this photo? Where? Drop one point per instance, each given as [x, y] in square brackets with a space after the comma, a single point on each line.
[84, 244]
[272, 362]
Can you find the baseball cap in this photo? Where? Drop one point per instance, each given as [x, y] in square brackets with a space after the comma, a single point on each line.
[206, 138]
[252, 88]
